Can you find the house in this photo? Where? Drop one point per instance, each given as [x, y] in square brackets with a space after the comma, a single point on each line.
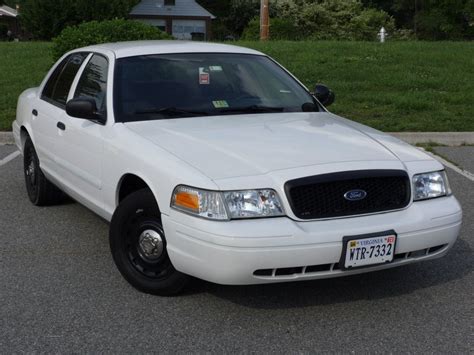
[9, 17]
[183, 19]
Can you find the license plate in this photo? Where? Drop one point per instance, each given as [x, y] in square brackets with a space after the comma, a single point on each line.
[368, 249]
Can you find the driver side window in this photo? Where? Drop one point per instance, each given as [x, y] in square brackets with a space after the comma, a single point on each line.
[93, 82]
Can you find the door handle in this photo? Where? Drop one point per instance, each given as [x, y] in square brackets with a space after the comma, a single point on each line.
[61, 126]
[35, 112]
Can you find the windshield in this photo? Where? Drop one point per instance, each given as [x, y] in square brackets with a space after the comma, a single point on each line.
[167, 86]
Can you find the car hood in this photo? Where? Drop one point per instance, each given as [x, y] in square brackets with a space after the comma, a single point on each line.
[246, 145]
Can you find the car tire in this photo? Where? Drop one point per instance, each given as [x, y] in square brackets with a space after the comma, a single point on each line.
[138, 246]
[41, 191]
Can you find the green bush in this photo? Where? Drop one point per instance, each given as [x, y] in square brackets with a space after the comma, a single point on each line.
[252, 31]
[95, 32]
[403, 35]
[333, 19]
[280, 29]
[366, 25]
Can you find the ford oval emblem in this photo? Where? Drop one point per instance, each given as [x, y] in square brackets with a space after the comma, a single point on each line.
[355, 195]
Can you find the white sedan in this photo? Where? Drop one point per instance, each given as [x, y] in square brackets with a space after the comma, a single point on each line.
[213, 161]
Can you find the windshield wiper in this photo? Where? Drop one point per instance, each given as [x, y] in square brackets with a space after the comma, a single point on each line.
[253, 109]
[173, 111]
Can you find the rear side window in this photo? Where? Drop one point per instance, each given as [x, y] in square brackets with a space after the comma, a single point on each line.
[57, 88]
[93, 82]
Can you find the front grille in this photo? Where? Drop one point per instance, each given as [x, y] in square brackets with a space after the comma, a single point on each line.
[323, 196]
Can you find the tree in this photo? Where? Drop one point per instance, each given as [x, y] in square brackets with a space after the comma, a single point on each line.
[241, 12]
[445, 19]
[431, 19]
[88, 10]
[11, 3]
[45, 19]
[220, 8]
[233, 16]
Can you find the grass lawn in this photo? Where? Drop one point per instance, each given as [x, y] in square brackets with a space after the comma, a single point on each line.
[22, 65]
[399, 86]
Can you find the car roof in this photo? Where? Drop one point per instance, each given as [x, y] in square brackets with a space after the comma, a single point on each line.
[136, 48]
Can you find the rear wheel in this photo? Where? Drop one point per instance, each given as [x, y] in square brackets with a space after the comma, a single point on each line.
[41, 191]
[138, 246]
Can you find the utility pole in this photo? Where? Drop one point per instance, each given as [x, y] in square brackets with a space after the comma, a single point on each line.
[264, 20]
[415, 19]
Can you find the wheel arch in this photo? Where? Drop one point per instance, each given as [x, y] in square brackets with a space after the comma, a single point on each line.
[24, 134]
[130, 183]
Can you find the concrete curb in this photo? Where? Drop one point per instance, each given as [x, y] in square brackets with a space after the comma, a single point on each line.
[6, 138]
[451, 139]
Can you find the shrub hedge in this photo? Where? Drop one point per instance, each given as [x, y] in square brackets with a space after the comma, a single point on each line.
[95, 32]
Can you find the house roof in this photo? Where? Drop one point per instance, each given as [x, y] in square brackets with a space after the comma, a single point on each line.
[181, 8]
[8, 11]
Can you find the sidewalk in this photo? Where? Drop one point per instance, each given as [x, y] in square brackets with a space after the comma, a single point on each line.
[450, 139]
[6, 138]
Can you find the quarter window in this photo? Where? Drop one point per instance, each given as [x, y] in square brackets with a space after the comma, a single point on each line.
[59, 84]
[93, 82]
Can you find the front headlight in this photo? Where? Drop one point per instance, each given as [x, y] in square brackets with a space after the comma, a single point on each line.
[253, 203]
[430, 185]
[227, 205]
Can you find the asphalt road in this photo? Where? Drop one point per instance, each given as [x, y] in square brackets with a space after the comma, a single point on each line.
[462, 156]
[6, 150]
[61, 293]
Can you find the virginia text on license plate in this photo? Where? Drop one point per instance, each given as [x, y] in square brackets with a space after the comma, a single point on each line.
[368, 250]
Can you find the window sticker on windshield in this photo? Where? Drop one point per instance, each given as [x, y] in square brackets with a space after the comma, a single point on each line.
[285, 91]
[215, 68]
[220, 104]
[204, 76]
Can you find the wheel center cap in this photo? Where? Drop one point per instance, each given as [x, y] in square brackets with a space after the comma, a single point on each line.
[151, 244]
[30, 171]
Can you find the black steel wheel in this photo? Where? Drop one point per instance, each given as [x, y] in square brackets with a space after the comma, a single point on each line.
[138, 246]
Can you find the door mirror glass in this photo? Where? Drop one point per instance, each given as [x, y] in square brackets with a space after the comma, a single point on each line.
[324, 94]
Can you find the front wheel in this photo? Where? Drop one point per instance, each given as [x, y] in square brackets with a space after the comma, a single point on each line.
[138, 246]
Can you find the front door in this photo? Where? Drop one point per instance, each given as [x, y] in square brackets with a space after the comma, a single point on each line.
[81, 144]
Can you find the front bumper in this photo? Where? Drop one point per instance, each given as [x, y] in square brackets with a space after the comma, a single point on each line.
[280, 249]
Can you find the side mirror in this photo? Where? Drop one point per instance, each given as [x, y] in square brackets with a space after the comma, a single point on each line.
[324, 95]
[85, 108]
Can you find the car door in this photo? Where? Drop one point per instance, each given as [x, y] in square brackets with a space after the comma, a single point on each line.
[80, 147]
[49, 109]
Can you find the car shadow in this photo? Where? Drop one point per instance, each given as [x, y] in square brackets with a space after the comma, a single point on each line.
[371, 286]
[399, 281]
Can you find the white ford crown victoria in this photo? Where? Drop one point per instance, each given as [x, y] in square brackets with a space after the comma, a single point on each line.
[213, 161]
